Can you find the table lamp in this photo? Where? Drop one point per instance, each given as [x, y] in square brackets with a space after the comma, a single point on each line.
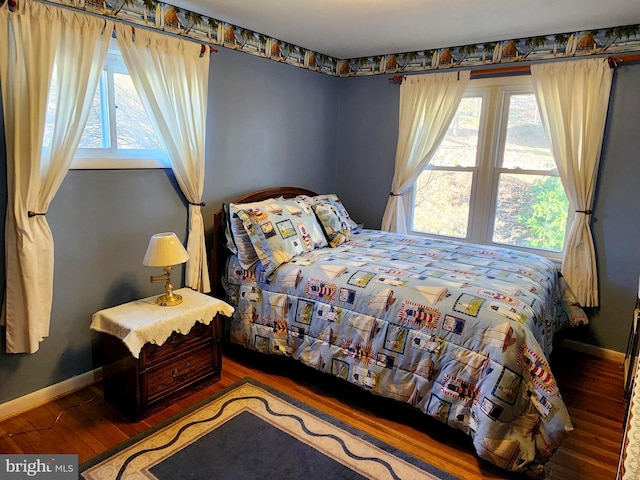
[165, 250]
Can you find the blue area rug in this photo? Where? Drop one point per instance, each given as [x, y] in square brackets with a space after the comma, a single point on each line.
[252, 431]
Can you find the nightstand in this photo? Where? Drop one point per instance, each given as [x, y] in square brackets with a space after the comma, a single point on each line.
[153, 355]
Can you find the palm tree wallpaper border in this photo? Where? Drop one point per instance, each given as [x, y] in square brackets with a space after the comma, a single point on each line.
[173, 20]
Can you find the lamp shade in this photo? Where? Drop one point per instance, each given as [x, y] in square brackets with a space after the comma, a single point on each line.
[164, 250]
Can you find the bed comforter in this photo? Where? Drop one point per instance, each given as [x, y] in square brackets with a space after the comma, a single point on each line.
[461, 332]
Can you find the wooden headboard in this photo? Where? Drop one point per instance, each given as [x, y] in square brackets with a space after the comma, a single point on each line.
[219, 250]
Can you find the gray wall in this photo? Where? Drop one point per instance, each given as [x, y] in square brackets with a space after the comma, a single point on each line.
[366, 148]
[367, 136]
[616, 219]
[269, 124]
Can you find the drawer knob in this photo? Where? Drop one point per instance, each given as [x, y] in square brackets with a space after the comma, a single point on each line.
[176, 374]
[176, 338]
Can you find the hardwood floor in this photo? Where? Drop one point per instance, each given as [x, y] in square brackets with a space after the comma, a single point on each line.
[592, 388]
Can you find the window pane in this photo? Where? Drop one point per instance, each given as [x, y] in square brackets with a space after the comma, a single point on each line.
[531, 211]
[135, 130]
[442, 203]
[460, 144]
[94, 135]
[52, 102]
[526, 144]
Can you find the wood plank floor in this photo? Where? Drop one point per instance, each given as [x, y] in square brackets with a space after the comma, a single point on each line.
[592, 388]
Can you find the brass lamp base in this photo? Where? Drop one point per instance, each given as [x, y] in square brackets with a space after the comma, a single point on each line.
[169, 300]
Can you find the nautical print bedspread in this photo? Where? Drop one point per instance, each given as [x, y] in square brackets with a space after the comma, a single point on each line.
[462, 332]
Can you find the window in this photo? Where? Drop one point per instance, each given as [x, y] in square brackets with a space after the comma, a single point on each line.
[119, 133]
[493, 179]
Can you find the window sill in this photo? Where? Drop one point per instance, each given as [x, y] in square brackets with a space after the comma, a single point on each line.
[116, 163]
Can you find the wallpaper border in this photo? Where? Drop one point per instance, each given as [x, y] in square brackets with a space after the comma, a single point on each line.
[210, 31]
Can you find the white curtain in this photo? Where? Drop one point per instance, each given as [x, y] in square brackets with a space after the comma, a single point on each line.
[171, 75]
[33, 38]
[573, 98]
[428, 103]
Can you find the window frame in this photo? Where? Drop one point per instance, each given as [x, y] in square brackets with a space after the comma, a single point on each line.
[485, 181]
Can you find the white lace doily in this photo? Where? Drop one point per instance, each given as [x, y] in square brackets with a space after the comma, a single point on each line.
[144, 321]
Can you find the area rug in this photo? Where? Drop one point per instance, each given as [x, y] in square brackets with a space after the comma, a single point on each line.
[252, 431]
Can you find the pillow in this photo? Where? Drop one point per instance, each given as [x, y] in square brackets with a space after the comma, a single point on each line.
[333, 200]
[333, 223]
[240, 240]
[230, 241]
[281, 230]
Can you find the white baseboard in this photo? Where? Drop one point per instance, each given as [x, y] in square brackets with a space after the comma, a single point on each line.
[47, 394]
[593, 350]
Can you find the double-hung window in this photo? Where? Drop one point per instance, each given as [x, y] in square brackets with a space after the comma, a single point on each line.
[118, 133]
[493, 179]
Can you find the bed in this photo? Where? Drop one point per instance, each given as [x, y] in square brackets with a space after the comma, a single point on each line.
[461, 332]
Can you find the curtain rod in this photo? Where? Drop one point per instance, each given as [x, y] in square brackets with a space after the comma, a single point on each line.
[524, 69]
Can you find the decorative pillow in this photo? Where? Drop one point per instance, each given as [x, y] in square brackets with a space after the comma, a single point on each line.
[230, 241]
[333, 223]
[306, 199]
[333, 200]
[281, 230]
[247, 255]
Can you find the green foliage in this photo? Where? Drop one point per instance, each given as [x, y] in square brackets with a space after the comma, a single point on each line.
[546, 216]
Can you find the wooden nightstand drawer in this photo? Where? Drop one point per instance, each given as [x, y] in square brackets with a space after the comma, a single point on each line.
[176, 344]
[177, 373]
[162, 373]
